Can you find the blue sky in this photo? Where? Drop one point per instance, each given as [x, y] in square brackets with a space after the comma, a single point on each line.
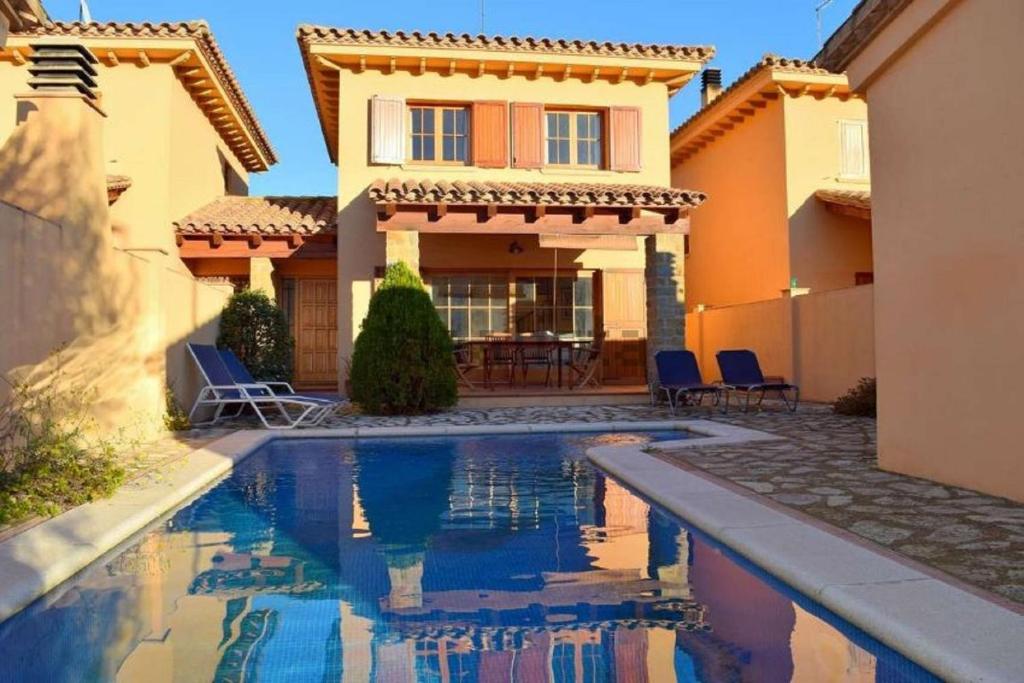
[259, 41]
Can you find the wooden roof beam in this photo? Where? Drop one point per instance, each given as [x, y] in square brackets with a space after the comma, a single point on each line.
[143, 58]
[181, 59]
[112, 59]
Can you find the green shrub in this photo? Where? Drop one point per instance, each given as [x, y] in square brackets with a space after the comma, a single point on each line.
[255, 328]
[175, 419]
[48, 460]
[402, 362]
[860, 401]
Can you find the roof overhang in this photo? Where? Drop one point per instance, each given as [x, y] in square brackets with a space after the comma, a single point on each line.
[853, 203]
[326, 52]
[197, 64]
[745, 99]
[531, 209]
[20, 14]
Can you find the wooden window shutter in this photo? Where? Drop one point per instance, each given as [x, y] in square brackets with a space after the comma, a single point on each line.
[527, 135]
[624, 131]
[387, 130]
[489, 126]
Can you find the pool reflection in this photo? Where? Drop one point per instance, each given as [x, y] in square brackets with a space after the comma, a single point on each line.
[481, 559]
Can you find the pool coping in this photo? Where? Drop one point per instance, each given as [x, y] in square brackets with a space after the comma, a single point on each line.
[954, 633]
[43, 557]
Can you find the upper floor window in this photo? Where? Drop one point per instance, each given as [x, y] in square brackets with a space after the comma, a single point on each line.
[439, 134]
[853, 149]
[575, 138]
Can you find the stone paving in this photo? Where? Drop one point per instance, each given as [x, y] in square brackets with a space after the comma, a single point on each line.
[825, 468]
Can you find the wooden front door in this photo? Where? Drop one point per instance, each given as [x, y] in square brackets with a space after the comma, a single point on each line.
[316, 334]
[624, 318]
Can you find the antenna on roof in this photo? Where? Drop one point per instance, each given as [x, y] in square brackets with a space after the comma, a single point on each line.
[83, 11]
[481, 16]
[817, 17]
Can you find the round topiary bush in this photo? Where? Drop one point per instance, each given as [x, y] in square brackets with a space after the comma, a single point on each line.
[255, 328]
[402, 362]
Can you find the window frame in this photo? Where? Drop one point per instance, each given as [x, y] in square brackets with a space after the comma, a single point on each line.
[862, 124]
[437, 108]
[574, 139]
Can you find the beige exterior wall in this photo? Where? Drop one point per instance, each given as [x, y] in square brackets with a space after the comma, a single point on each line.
[361, 248]
[948, 161]
[761, 225]
[739, 246]
[826, 250]
[824, 342]
[107, 282]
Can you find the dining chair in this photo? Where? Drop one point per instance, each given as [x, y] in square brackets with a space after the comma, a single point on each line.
[499, 351]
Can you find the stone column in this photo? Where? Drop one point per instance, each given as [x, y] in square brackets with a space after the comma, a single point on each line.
[403, 245]
[666, 296]
[261, 276]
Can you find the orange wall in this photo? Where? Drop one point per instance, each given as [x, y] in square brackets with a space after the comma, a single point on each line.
[739, 246]
[826, 249]
[948, 164]
[824, 341]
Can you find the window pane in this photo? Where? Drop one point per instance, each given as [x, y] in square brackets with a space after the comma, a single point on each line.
[448, 148]
[460, 323]
[552, 125]
[439, 291]
[448, 117]
[584, 322]
[499, 320]
[583, 152]
[428, 120]
[479, 294]
[584, 292]
[563, 125]
[460, 291]
[564, 291]
[417, 147]
[461, 121]
[524, 319]
[543, 289]
[478, 323]
[565, 320]
[417, 121]
[428, 149]
[595, 153]
[583, 125]
[499, 293]
[553, 151]
[563, 151]
[526, 290]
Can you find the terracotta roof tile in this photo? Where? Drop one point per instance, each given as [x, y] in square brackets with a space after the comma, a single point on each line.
[866, 20]
[350, 36]
[196, 30]
[262, 216]
[522, 194]
[770, 62]
[856, 199]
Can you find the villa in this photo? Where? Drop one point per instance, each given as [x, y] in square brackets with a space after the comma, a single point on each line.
[823, 221]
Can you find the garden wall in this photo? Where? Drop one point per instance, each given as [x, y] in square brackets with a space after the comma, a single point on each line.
[822, 341]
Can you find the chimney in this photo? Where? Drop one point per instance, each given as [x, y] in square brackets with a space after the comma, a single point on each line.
[710, 86]
[63, 67]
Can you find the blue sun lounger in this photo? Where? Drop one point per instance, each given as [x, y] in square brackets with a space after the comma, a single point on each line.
[742, 373]
[224, 389]
[679, 376]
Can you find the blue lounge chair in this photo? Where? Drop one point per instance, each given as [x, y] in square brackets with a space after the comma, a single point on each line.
[223, 390]
[742, 373]
[679, 376]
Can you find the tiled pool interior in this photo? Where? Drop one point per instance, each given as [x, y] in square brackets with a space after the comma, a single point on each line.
[451, 559]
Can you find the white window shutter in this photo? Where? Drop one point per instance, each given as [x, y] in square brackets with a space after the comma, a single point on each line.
[853, 141]
[387, 130]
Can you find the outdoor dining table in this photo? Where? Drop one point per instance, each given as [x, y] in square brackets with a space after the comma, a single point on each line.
[520, 342]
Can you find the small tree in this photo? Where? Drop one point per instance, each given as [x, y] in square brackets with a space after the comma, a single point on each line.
[255, 328]
[402, 361]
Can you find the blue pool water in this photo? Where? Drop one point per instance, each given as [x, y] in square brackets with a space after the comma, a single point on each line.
[460, 559]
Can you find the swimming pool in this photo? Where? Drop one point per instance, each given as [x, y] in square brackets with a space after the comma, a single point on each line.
[483, 558]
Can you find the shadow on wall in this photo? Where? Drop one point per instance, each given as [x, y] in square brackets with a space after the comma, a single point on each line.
[65, 285]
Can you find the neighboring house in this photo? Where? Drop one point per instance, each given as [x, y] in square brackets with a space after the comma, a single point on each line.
[99, 159]
[526, 179]
[782, 154]
[947, 157]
